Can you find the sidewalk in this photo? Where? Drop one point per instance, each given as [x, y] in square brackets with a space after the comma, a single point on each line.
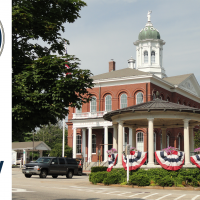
[86, 172]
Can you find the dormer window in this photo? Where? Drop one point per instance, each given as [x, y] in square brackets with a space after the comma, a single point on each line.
[153, 57]
[145, 57]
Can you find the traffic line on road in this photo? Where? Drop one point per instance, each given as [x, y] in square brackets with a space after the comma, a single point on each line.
[149, 195]
[19, 190]
[123, 193]
[136, 194]
[195, 197]
[163, 196]
[180, 197]
[111, 192]
[100, 191]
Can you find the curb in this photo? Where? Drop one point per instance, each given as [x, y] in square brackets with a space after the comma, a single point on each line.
[152, 187]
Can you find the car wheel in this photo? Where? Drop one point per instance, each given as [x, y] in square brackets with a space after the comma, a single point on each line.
[28, 175]
[43, 174]
[54, 176]
[70, 174]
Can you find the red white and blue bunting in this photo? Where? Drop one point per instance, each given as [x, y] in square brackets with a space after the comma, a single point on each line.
[112, 159]
[136, 160]
[173, 162]
[196, 160]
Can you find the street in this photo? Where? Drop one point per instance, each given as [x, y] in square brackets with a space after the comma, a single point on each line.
[79, 188]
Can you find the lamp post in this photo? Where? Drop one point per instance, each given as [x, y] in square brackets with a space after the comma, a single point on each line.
[33, 146]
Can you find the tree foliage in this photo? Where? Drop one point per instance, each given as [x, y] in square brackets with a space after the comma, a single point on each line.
[40, 91]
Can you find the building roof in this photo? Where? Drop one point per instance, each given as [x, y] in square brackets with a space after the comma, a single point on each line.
[156, 104]
[119, 73]
[38, 145]
[149, 32]
[176, 80]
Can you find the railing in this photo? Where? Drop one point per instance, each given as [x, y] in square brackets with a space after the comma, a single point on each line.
[88, 115]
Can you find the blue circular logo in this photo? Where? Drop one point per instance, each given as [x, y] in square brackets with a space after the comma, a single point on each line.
[2, 38]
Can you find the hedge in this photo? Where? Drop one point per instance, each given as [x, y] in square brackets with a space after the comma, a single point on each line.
[141, 177]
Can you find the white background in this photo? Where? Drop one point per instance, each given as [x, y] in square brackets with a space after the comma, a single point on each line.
[5, 103]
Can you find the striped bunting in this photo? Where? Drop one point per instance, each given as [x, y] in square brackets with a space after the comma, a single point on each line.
[136, 160]
[112, 159]
[170, 162]
[195, 160]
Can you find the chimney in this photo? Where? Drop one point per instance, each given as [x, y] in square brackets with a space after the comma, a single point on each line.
[131, 63]
[111, 65]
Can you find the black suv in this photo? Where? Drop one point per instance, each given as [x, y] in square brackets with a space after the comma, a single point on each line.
[51, 166]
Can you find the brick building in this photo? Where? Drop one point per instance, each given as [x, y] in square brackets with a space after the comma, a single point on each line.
[90, 135]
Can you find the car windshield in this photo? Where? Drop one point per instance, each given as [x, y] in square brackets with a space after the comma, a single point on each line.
[43, 160]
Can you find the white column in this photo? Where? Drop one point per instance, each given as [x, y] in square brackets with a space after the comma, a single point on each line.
[115, 136]
[133, 137]
[163, 137]
[130, 137]
[124, 138]
[186, 142]
[83, 142]
[191, 133]
[24, 156]
[74, 142]
[105, 143]
[41, 152]
[150, 142]
[89, 144]
[120, 144]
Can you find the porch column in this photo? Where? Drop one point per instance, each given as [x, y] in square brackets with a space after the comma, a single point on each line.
[186, 142]
[130, 137]
[150, 141]
[74, 142]
[24, 156]
[120, 144]
[105, 143]
[134, 137]
[123, 138]
[115, 136]
[191, 133]
[41, 153]
[83, 142]
[163, 137]
[89, 144]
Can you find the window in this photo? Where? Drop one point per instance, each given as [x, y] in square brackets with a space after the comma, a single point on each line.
[78, 144]
[139, 98]
[153, 56]
[55, 161]
[140, 141]
[179, 142]
[145, 57]
[123, 101]
[154, 138]
[61, 161]
[93, 104]
[79, 110]
[93, 143]
[168, 99]
[167, 140]
[108, 106]
[154, 96]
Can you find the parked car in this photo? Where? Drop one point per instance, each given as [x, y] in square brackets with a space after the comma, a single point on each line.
[80, 166]
[53, 166]
[19, 160]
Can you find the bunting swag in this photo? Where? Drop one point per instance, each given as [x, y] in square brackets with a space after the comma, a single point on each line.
[136, 160]
[173, 162]
[196, 160]
[112, 159]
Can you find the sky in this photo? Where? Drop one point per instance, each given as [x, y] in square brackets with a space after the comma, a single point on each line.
[108, 28]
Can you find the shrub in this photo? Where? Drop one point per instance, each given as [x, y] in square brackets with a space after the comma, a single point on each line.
[98, 177]
[139, 179]
[112, 178]
[98, 169]
[166, 181]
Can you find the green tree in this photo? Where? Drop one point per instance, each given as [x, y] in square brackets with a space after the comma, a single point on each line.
[197, 139]
[40, 92]
[52, 135]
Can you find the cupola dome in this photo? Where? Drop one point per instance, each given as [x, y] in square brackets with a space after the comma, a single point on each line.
[149, 32]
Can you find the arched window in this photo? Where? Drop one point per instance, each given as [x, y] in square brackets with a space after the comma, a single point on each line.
[93, 104]
[154, 96]
[161, 97]
[140, 141]
[154, 138]
[168, 99]
[145, 57]
[79, 110]
[179, 142]
[93, 143]
[78, 144]
[108, 101]
[139, 98]
[123, 101]
[167, 140]
[179, 102]
[153, 57]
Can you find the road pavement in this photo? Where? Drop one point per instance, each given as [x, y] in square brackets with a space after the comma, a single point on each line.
[79, 188]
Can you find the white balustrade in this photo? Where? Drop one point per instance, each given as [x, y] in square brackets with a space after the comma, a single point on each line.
[88, 115]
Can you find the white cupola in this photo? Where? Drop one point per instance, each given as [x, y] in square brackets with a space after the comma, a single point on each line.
[149, 50]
